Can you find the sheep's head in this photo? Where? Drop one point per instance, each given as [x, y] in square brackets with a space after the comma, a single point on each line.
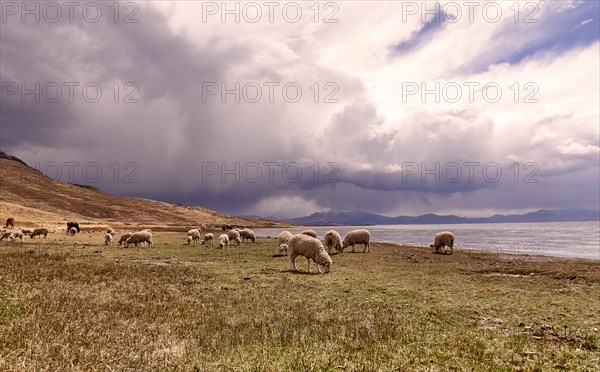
[327, 266]
[325, 261]
[283, 249]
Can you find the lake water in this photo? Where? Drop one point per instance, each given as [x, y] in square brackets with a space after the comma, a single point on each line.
[559, 239]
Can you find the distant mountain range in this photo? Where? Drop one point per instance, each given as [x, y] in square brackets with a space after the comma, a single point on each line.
[365, 218]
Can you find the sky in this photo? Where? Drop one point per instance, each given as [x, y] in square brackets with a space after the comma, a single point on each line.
[283, 109]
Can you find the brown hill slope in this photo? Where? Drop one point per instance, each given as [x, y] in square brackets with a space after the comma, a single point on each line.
[33, 199]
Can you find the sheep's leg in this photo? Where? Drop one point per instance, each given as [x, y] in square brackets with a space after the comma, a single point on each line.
[352, 248]
[293, 262]
[308, 259]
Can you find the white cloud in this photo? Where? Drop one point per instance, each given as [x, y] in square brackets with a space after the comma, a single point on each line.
[372, 128]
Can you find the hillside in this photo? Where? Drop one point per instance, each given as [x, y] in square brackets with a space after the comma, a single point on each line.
[33, 199]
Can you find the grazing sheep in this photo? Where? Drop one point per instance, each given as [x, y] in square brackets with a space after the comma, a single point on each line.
[247, 234]
[284, 237]
[73, 224]
[39, 231]
[6, 236]
[360, 236]
[108, 238]
[223, 241]
[72, 231]
[312, 233]
[443, 239]
[208, 239]
[311, 248]
[124, 237]
[189, 239]
[195, 234]
[139, 237]
[17, 235]
[26, 231]
[283, 249]
[202, 228]
[144, 243]
[110, 231]
[234, 236]
[333, 240]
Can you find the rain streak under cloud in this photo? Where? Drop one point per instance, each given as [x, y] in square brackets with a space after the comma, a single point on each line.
[287, 108]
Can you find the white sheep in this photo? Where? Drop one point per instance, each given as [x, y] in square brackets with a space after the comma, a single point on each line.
[144, 243]
[195, 234]
[108, 238]
[360, 236]
[247, 234]
[72, 231]
[124, 237]
[17, 235]
[189, 239]
[208, 239]
[110, 231]
[311, 248]
[234, 236]
[284, 237]
[223, 241]
[333, 240]
[39, 231]
[312, 233]
[139, 237]
[443, 239]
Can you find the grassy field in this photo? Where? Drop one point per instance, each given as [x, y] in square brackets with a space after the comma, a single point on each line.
[70, 303]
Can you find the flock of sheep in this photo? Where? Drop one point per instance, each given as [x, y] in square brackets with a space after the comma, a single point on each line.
[303, 244]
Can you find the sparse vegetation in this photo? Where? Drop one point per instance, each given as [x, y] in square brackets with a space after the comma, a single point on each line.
[67, 305]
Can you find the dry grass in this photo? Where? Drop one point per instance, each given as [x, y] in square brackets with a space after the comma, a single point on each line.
[74, 306]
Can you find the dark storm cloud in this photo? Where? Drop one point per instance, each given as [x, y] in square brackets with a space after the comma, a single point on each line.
[351, 154]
